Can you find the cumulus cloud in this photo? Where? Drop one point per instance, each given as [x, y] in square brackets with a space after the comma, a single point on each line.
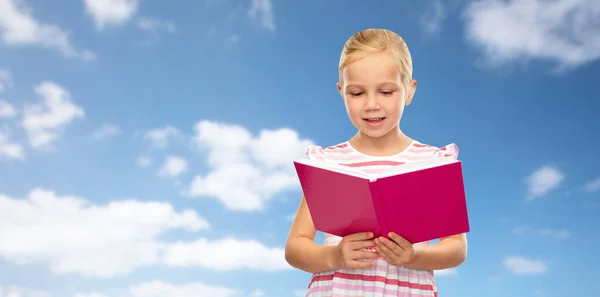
[173, 166]
[110, 13]
[522, 265]
[542, 181]
[7, 110]
[107, 130]
[9, 149]
[592, 185]
[19, 28]
[46, 121]
[73, 236]
[161, 137]
[261, 11]
[562, 31]
[246, 170]
[434, 15]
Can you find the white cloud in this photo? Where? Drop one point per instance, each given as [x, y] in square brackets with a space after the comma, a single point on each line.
[110, 13]
[160, 138]
[554, 233]
[592, 185]
[433, 17]
[9, 149]
[19, 28]
[7, 110]
[563, 31]
[156, 25]
[223, 255]
[45, 122]
[542, 181]
[300, 293]
[162, 289]
[144, 161]
[261, 11]
[92, 294]
[107, 130]
[521, 265]
[74, 236]
[173, 166]
[5, 78]
[18, 291]
[257, 293]
[246, 171]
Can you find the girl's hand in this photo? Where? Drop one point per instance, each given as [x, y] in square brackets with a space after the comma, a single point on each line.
[397, 251]
[349, 254]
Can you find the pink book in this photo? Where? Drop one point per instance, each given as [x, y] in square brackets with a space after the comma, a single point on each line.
[420, 201]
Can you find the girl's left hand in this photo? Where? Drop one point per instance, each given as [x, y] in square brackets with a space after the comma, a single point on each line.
[396, 250]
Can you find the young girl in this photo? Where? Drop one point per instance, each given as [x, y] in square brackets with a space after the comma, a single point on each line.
[376, 84]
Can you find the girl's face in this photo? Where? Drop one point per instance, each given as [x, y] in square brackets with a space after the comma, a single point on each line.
[373, 93]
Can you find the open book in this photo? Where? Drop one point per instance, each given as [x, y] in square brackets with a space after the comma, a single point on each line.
[420, 201]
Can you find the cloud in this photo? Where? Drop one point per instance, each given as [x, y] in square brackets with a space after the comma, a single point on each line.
[173, 166]
[155, 25]
[161, 289]
[553, 233]
[562, 31]
[261, 11]
[246, 171]
[7, 110]
[433, 17]
[543, 181]
[522, 266]
[223, 255]
[144, 161]
[73, 236]
[8, 148]
[592, 185]
[45, 122]
[19, 28]
[160, 138]
[107, 130]
[18, 291]
[5, 77]
[110, 13]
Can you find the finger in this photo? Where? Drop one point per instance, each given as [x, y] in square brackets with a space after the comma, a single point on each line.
[391, 245]
[384, 249]
[365, 255]
[360, 264]
[359, 236]
[385, 256]
[356, 245]
[401, 241]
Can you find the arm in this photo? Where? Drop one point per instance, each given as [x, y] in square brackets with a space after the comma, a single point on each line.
[301, 251]
[449, 252]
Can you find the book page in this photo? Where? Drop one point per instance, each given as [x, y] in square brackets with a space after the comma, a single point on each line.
[335, 168]
[415, 166]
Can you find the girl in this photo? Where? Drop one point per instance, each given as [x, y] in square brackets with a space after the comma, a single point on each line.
[375, 82]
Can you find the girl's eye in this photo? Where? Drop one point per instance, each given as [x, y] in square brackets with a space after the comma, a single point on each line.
[356, 94]
[387, 93]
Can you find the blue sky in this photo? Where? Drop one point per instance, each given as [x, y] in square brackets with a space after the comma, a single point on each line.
[137, 139]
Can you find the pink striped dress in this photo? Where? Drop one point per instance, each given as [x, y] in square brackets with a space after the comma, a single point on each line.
[381, 279]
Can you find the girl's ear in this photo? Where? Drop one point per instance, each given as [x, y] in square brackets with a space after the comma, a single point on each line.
[339, 87]
[410, 93]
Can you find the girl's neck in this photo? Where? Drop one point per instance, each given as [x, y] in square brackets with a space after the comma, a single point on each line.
[392, 143]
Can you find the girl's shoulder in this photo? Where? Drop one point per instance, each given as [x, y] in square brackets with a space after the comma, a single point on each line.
[448, 150]
[317, 152]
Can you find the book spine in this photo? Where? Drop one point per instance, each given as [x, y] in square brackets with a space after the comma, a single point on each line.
[377, 205]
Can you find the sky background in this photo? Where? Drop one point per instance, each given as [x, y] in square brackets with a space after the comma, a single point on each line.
[146, 146]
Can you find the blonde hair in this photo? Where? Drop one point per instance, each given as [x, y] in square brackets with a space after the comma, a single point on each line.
[372, 41]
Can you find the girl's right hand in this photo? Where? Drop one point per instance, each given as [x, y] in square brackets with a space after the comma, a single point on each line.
[349, 251]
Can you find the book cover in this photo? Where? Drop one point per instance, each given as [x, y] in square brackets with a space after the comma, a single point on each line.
[420, 201]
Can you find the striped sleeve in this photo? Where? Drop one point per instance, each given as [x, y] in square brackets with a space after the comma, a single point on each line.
[315, 152]
[450, 150]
